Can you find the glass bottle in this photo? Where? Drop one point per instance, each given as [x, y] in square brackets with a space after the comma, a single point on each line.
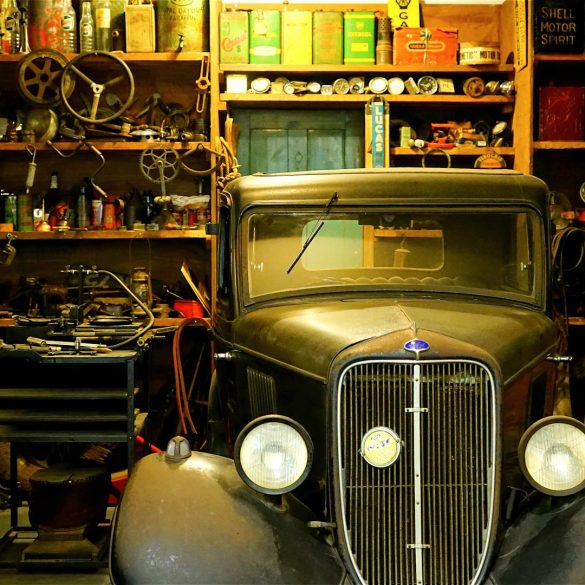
[52, 199]
[52, 24]
[103, 26]
[24, 210]
[86, 28]
[68, 28]
[12, 27]
[83, 206]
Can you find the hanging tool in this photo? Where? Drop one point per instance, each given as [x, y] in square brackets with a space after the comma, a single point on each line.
[83, 144]
[31, 169]
[8, 252]
[202, 84]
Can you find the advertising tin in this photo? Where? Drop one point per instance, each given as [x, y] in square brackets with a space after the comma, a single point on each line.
[189, 18]
[234, 38]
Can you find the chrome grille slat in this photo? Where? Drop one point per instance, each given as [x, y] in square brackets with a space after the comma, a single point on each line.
[457, 448]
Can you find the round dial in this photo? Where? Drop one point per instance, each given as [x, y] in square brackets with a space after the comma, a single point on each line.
[395, 86]
[582, 192]
[427, 85]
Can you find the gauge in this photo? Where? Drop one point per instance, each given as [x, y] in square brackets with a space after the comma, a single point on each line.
[427, 85]
[378, 85]
[341, 86]
[582, 192]
[395, 86]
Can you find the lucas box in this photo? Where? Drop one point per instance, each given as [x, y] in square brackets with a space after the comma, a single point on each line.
[430, 46]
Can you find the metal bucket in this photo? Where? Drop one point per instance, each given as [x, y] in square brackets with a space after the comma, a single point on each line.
[182, 18]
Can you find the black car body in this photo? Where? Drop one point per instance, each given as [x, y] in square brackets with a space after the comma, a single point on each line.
[384, 339]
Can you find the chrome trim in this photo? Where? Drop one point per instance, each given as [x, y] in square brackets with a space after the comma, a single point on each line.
[386, 523]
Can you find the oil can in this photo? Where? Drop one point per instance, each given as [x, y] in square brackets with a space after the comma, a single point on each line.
[182, 24]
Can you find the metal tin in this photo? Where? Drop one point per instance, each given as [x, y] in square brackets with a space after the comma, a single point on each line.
[189, 18]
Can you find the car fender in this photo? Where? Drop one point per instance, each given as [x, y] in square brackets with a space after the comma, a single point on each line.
[544, 546]
[195, 521]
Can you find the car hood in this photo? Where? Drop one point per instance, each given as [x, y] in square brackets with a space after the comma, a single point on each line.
[307, 337]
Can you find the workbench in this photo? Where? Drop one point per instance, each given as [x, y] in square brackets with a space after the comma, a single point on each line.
[64, 398]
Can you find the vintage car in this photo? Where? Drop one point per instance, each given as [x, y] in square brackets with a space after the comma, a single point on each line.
[383, 405]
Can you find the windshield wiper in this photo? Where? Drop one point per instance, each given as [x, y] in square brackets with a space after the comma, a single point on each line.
[315, 231]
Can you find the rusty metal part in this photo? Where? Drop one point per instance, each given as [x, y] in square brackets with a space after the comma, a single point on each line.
[202, 84]
[159, 165]
[78, 66]
[201, 148]
[474, 87]
[39, 77]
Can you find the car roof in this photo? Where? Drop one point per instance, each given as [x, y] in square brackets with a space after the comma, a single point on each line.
[389, 186]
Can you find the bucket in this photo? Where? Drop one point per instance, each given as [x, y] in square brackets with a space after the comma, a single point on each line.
[186, 18]
[188, 308]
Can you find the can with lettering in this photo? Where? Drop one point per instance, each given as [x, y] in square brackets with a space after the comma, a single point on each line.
[182, 25]
[234, 38]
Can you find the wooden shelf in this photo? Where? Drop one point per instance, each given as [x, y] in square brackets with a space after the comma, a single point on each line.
[373, 69]
[556, 57]
[183, 56]
[457, 151]
[559, 145]
[105, 145]
[278, 100]
[198, 233]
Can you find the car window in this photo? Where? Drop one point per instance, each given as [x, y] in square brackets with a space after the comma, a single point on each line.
[488, 252]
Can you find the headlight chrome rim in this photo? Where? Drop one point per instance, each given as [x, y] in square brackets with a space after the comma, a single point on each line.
[525, 443]
[241, 443]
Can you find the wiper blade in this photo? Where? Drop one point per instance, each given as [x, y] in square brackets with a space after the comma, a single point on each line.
[314, 233]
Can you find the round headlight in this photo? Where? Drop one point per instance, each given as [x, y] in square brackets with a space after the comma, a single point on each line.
[552, 455]
[273, 454]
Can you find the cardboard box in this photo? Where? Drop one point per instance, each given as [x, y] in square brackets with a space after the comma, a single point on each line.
[297, 37]
[234, 37]
[429, 46]
[359, 41]
[561, 113]
[140, 29]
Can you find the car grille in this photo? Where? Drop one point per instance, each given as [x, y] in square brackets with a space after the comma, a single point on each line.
[427, 518]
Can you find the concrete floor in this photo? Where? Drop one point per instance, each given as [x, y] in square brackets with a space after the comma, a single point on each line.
[37, 575]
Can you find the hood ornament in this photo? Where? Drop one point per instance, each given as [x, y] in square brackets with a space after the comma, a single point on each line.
[417, 346]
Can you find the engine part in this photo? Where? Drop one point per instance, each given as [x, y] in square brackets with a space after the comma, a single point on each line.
[40, 77]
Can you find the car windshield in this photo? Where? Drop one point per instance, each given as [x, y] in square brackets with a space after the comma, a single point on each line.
[492, 252]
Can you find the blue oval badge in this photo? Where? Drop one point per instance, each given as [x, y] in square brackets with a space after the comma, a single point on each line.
[416, 345]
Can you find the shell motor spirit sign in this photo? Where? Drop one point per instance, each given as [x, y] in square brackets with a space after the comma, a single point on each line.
[559, 26]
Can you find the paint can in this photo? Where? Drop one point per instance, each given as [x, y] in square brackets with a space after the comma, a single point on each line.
[182, 25]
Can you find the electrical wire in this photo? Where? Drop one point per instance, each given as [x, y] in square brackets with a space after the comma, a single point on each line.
[182, 397]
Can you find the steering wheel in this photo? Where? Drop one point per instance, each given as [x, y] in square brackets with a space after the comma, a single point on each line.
[91, 69]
